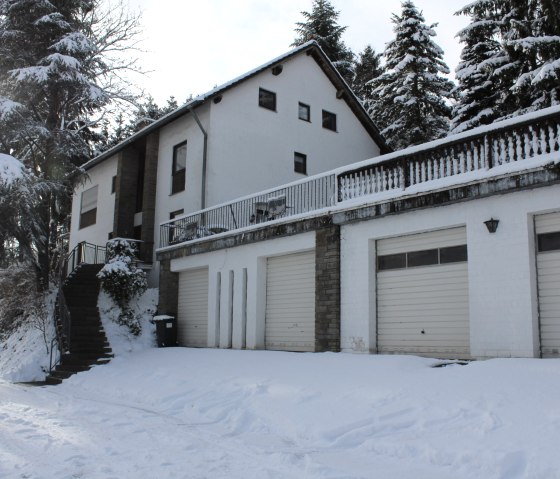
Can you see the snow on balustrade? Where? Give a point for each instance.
(498, 149)
(480, 149)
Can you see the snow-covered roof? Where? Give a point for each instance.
(312, 48)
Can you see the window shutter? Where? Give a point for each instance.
(89, 200)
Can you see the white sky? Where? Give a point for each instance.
(193, 45)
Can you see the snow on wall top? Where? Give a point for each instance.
(11, 169)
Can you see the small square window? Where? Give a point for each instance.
(300, 163)
(329, 120)
(179, 167)
(267, 99)
(114, 184)
(304, 112)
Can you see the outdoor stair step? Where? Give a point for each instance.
(52, 381)
(72, 368)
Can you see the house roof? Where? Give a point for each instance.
(312, 49)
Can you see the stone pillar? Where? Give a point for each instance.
(125, 193)
(327, 289)
(149, 197)
(168, 289)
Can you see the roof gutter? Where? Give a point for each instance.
(204, 158)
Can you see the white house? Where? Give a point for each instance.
(448, 249)
(286, 120)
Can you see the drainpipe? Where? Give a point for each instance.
(204, 158)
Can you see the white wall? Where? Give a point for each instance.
(228, 265)
(252, 148)
(502, 273)
(98, 233)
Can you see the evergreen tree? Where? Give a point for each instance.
(56, 74)
(367, 67)
(321, 25)
(410, 97)
(477, 92)
(531, 38)
(516, 66)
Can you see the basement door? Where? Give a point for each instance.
(290, 302)
(547, 228)
(422, 294)
(192, 318)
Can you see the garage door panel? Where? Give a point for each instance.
(548, 274)
(290, 302)
(192, 318)
(433, 299)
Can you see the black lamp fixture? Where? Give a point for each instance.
(492, 225)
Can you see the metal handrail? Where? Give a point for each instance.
(84, 253)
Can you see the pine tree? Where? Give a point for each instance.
(321, 25)
(477, 91)
(367, 67)
(56, 75)
(410, 97)
(531, 38)
(518, 62)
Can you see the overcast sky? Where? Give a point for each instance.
(193, 45)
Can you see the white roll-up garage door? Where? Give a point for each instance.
(192, 320)
(290, 302)
(547, 228)
(422, 294)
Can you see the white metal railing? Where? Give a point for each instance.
(481, 149)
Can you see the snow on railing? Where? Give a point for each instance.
(479, 150)
(484, 148)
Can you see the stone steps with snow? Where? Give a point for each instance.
(88, 344)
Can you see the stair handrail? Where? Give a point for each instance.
(84, 253)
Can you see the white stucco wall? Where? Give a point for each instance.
(252, 148)
(98, 233)
(228, 266)
(501, 266)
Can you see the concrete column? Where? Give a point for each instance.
(149, 197)
(125, 193)
(168, 289)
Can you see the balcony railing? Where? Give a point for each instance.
(482, 151)
(294, 199)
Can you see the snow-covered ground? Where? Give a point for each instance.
(203, 413)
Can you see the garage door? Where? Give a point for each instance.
(192, 320)
(547, 228)
(290, 302)
(422, 294)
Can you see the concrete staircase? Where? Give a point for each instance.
(88, 345)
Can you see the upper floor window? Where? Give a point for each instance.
(179, 167)
(267, 99)
(304, 112)
(329, 120)
(300, 163)
(88, 208)
(114, 184)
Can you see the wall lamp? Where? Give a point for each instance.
(492, 225)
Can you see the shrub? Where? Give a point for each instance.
(123, 281)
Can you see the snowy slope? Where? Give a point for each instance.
(188, 413)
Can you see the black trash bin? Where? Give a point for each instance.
(166, 331)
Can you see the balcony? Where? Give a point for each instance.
(526, 142)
